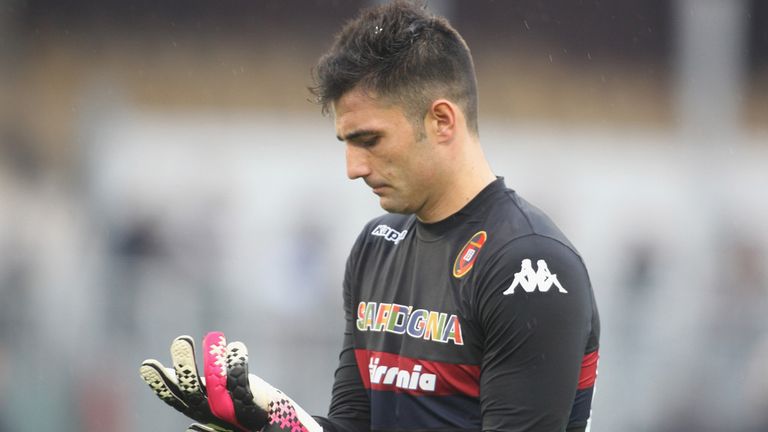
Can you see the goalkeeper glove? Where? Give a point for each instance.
(228, 398)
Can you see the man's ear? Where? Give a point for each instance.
(442, 118)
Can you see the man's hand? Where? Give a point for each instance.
(229, 398)
(181, 386)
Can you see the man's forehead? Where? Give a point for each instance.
(358, 109)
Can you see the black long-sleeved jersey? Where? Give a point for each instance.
(483, 321)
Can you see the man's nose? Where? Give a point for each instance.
(357, 162)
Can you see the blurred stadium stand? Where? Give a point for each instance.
(163, 171)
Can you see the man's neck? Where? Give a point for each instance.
(459, 189)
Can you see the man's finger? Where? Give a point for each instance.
(215, 370)
(162, 383)
(185, 365)
(247, 412)
(184, 362)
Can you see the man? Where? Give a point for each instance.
(448, 324)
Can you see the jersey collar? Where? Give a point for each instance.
(473, 210)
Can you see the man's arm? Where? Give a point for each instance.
(350, 406)
(534, 304)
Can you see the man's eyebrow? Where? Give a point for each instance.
(352, 136)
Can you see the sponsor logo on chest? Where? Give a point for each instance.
(400, 377)
(405, 320)
(393, 372)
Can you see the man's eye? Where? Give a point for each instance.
(369, 142)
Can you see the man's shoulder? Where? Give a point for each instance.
(526, 247)
(514, 218)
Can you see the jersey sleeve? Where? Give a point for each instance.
(534, 306)
(350, 408)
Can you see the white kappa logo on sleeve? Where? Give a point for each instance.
(530, 279)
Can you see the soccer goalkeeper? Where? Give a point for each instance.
(450, 325)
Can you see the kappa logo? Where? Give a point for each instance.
(530, 279)
(389, 233)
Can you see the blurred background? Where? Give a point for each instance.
(163, 172)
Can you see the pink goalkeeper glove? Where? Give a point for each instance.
(229, 398)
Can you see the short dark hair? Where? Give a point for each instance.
(403, 54)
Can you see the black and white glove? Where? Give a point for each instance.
(228, 398)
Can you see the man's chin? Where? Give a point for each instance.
(393, 207)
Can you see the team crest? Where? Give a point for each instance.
(466, 258)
